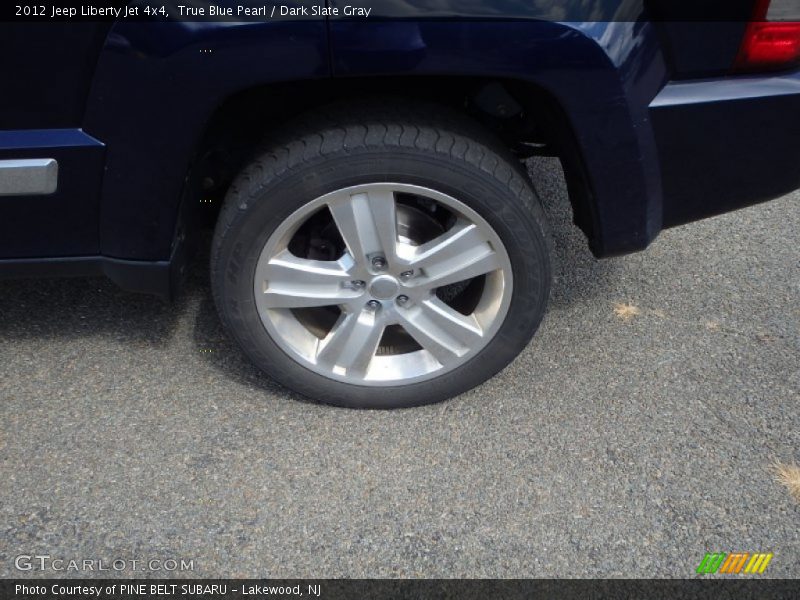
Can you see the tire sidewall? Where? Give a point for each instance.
(267, 206)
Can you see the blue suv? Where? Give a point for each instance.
(377, 241)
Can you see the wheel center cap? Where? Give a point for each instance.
(384, 287)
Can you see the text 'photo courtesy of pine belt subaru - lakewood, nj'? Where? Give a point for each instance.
(377, 241)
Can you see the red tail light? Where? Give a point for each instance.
(772, 38)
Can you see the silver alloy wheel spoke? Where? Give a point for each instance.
(367, 222)
(472, 263)
(352, 343)
(443, 331)
(462, 237)
(460, 254)
(292, 282)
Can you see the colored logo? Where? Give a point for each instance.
(735, 563)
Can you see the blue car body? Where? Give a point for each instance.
(652, 127)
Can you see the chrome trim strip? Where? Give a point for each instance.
(727, 90)
(28, 177)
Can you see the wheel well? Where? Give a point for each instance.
(528, 119)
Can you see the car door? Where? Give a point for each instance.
(50, 170)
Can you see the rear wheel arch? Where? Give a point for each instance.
(238, 125)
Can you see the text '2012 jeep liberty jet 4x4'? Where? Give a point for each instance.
(377, 241)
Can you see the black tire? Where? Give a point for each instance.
(340, 147)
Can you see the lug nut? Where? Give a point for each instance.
(402, 300)
(373, 305)
(406, 275)
(379, 262)
(358, 285)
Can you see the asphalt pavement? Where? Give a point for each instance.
(635, 433)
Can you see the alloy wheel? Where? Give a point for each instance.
(383, 284)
